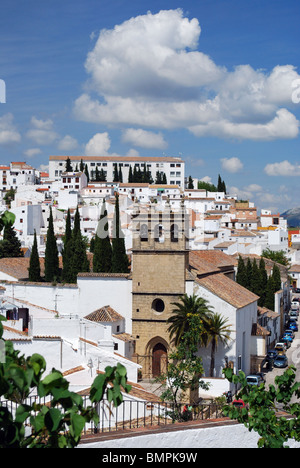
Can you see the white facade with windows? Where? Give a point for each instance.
(172, 167)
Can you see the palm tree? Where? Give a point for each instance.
(184, 309)
(218, 332)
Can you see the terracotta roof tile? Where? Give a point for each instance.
(228, 290)
(104, 314)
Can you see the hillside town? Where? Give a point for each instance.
(179, 240)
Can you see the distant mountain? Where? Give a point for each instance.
(292, 216)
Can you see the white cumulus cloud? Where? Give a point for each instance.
(144, 138)
(283, 168)
(42, 131)
(98, 145)
(150, 71)
(8, 132)
(232, 164)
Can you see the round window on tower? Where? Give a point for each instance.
(158, 305)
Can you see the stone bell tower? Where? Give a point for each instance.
(159, 265)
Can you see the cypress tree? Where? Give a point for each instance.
(116, 173)
(34, 269)
(249, 274)
(102, 260)
(76, 227)
(51, 253)
(81, 166)
(219, 186)
(276, 277)
(92, 245)
(68, 165)
(190, 183)
(264, 281)
(86, 171)
(11, 246)
(120, 174)
(79, 261)
(119, 257)
(102, 176)
(68, 250)
(256, 279)
(241, 276)
(130, 175)
(77, 251)
(270, 290)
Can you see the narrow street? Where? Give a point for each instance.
(293, 355)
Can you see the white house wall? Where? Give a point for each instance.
(95, 292)
(241, 321)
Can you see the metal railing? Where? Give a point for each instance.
(133, 414)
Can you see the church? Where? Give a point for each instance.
(141, 301)
(163, 269)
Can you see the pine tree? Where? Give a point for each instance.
(51, 253)
(276, 277)
(34, 269)
(119, 257)
(102, 260)
(11, 246)
(241, 276)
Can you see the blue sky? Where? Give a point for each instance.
(216, 82)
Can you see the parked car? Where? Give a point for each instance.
(296, 299)
(285, 341)
(272, 354)
(281, 361)
(288, 338)
(295, 305)
(294, 314)
(292, 325)
(240, 404)
(280, 348)
(255, 379)
(290, 332)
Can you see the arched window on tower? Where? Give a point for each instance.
(144, 232)
(159, 233)
(174, 233)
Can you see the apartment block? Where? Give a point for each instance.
(172, 167)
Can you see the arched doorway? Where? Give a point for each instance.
(159, 359)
